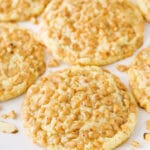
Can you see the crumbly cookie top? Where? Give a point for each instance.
(21, 60)
(12, 10)
(79, 107)
(93, 32)
(144, 5)
(139, 76)
(142, 58)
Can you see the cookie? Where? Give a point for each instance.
(139, 78)
(97, 32)
(144, 5)
(19, 10)
(79, 108)
(21, 60)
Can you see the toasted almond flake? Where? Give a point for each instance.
(146, 137)
(148, 125)
(7, 127)
(52, 62)
(122, 68)
(135, 144)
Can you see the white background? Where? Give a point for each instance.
(20, 141)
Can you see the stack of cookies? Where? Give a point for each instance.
(82, 107)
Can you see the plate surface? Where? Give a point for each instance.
(20, 141)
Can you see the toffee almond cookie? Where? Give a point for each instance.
(79, 108)
(139, 78)
(21, 60)
(144, 5)
(18, 10)
(92, 32)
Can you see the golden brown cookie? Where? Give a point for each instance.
(144, 5)
(18, 10)
(21, 60)
(79, 108)
(97, 32)
(139, 78)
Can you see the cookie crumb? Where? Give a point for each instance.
(147, 137)
(148, 125)
(52, 62)
(34, 20)
(8, 128)
(135, 144)
(122, 68)
(11, 115)
(4, 116)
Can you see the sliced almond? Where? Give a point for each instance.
(146, 137)
(122, 68)
(135, 144)
(7, 127)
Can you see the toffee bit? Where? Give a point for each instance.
(135, 144)
(147, 137)
(122, 68)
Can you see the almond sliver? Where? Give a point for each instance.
(7, 127)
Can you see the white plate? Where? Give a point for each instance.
(20, 141)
